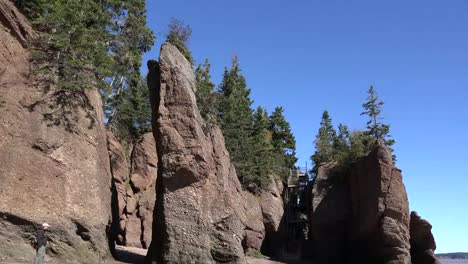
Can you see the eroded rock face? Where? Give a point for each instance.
(134, 177)
(380, 213)
(254, 226)
(363, 217)
(54, 165)
(422, 241)
(199, 215)
(330, 217)
(271, 203)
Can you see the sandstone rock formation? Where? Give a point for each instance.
(254, 229)
(134, 190)
(330, 217)
(374, 226)
(54, 165)
(271, 203)
(199, 215)
(380, 212)
(422, 241)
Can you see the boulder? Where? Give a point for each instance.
(199, 214)
(422, 241)
(379, 228)
(54, 165)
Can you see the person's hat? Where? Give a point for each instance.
(45, 225)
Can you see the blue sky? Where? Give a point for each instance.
(308, 56)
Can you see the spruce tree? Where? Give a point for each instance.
(95, 45)
(341, 142)
(206, 97)
(375, 128)
(73, 47)
(236, 119)
(263, 152)
(283, 140)
(127, 104)
(324, 150)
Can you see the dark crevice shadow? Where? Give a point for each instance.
(125, 256)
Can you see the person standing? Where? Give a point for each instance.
(41, 243)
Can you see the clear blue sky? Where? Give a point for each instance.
(313, 55)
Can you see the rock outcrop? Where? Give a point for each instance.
(254, 226)
(54, 165)
(271, 203)
(422, 241)
(199, 214)
(330, 216)
(374, 226)
(380, 212)
(134, 174)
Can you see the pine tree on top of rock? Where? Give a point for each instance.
(375, 128)
(324, 140)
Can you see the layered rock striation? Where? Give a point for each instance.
(380, 212)
(134, 174)
(364, 217)
(54, 165)
(199, 214)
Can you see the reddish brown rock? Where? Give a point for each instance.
(254, 227)
(135, 189)
(271, 203)
(54, 165)
(380, 215)
(422, 241)
(329, 218)
(199, 210)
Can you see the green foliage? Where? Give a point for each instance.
(132, 112)
(324, 149)
(87, 44)
(236, 119)
(283, 141)
(260, 146)
(349, 148)
(73, 48)
(127, 105)
(263, 151)
(207, 99)
(345, 148)
(375, 128)
(179, 35)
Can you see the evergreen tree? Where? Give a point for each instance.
(341, 142)
(127, 104)
(283, 140)
(375, 128)
(263, 156)
(73, 48)
(206, 97)
(96, 45)
(324, 141)
(236, 119)
(179, 35)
